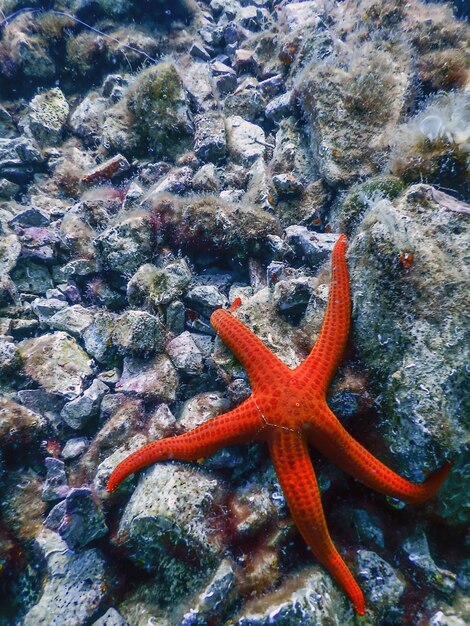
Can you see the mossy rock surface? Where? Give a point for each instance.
(160, 106)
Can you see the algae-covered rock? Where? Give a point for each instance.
(74, 586)
(154, 379)
(159, 103)
(151, 286)
(309, 598)
(351, 105)
(48, 112)
(212, 224)
(409, 277)
(57, 363)
(166, 524)
(127, 244)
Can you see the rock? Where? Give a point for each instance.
(287, 185)
(74, 448)
(314, 248)
(44, 403)
(158, 101)
(185, 354)
(347, 125)
(127, 245)
(201, 408)
(30, 277)
(112, 617)
(446, 619)
(18, 421)
(98, 338)
(279, 107)
(74, 588)
(8, 189)
(206, 298)
(48, 112)
(79, 411)
(87, 119)
(154, 379)
(225, 78)
(198, 51)
(55, 485)
(29, 217)
(212, 603)
(416, 351)
(206, 179)
(161, 422)
(210, 143)
(416, 549)
(73, 320)
(10, 358)
(169, 509)
(291, 296)
(215, 225)
(153, 286)
(246, 141)
(109, 169)
(382, 587)
(83, 520)
(309, 597)
(45, 308)
(57, 363)
(138, 333)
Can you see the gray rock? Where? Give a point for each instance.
(154, 379)
(79, 411)
(212, 603)
(74, 448)
(83, 521)
(292, 295)
(74, 588)
(112, 617)
(19, 421)
(287, 185)
(309, 597)
(55, 516)
(280, 107)
(246, 141)
(48, 112)
(247, 102)
(161, 422)
(98, 337)
(225, 78)
(175, 317)
(210, 142)
(138, 333)
(153, 286)
(381, 585)
(206, 179)
(30, 217)
(178, 180)
(73, 320)
(201, 408)
(447, 619)
(197, 50)
(127, 245)
(87, 119)
(403, 260)
(169, 510)
(45, 308)
(8, 189)
(30, 277)
(57, 363)
(185, 354)
(10, 358)
(416, 549)
(55, 485)
(314, 248)
(206, 298)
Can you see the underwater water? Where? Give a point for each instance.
(163, 160)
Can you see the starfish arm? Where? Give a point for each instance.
(255, 357)
(241, 425)
(334, 441)
(297, 478)
(319, 367)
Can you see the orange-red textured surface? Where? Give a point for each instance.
(288, 409)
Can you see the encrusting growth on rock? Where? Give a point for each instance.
(288, 410)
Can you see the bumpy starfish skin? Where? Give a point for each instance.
(288, 410)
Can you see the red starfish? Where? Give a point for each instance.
(288, 410)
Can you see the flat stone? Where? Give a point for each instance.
(154, 379)
(79, 411)
(314, 248)
(83, 521)
(246, 141)
(57, 363)
(73, 320)
(185, 354)
(55, 485)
